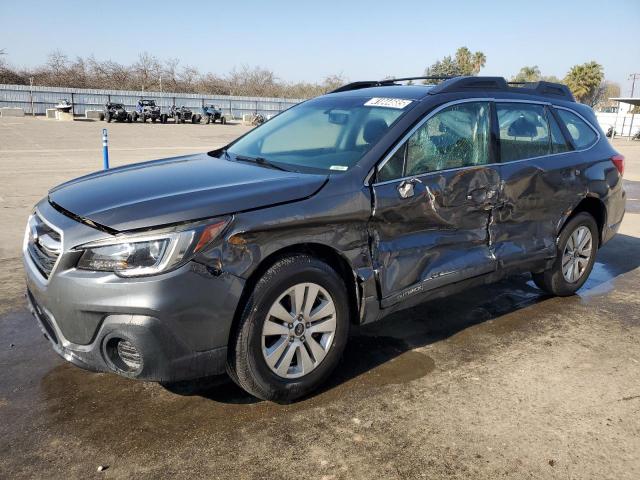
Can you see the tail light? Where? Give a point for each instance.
(618, 161)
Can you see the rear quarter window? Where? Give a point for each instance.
(582, 134)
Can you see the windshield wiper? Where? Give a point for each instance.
(260, 161)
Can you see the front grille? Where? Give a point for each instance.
(43, 244)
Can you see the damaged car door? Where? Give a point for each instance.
(433, 200)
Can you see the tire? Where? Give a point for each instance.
(108, 117)
(553, 280)
(207, 120)
(143, 118)
(153, 119)
(163, 118)
(102, 117)
(246, 362)
(193, 119)
(129, 119)
(134, 117)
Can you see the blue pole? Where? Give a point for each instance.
(105, 150)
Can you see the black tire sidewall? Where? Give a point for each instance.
(270, 385)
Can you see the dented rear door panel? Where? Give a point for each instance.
(535, 195)
(438, 236)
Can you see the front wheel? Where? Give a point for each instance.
(292, 331)
(576, 253)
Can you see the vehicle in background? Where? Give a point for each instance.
(115, 111)
(211, 113)
(180, 115)
(257, 119)
(146, 109)
(256, 258)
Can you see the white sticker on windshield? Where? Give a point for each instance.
(341, 168)
(387, 102)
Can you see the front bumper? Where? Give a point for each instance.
(178, 321)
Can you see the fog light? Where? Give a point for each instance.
(123, 355)
(129, 355)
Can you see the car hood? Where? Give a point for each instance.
(179, 189)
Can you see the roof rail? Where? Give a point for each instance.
(541, 88)
(383, 83)
(362, 84)
(465, 84)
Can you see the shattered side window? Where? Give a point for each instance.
(458, 136)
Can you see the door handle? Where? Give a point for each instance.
(405, 188)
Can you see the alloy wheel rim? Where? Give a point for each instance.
(299, 330)
(576, 255)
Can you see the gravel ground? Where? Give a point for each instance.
(500, 381)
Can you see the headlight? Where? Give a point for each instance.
(149, 253)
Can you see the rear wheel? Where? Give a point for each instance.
(292, 331)
(576, 253)
(108, 118)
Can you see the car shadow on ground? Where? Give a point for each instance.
(383, 351)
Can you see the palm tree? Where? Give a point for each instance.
(469, 63)
(584, 80)
(528, 74)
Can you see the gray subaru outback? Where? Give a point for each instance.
(256, 258)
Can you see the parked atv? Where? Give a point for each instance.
(115, 111)
(146, 109)
(181, 115)
(212, 113)
(257, 119)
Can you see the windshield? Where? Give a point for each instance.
(327, 133)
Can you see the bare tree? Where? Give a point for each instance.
(170, 74)
(146, 71)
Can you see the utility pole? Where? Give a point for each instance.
(633, 77)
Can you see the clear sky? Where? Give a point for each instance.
(301, 40)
